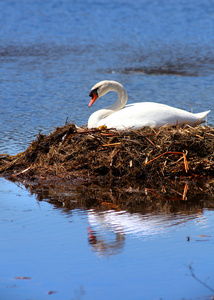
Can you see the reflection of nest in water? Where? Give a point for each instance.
(109, 156)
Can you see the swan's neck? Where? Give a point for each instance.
(101, 114)
(122, 97)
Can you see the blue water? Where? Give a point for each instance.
(137, 256)
(51, 54)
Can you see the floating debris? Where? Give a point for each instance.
(52, 292)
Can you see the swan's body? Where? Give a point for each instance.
(136, 115)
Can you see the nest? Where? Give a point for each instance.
(107, 156)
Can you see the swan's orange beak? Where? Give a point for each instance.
(93, 99)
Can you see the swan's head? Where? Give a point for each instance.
(98, 90)
(103, 87)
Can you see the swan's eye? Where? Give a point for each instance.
(95, 91)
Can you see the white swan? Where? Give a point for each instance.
(136, 115)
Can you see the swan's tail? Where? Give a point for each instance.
(201, 116)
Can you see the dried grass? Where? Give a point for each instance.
(109, 156)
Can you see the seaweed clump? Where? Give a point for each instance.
(105, 155)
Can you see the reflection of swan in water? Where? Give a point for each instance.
(106, 245)
(108, 229)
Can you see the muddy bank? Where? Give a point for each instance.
(109, 157)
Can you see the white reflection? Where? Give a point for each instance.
(107, 230)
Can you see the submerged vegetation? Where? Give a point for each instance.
(107, 156)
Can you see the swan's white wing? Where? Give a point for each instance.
(150, 114)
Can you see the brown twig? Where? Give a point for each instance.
(185, 191)
(109, 145)
(186, 166)
(150, 142)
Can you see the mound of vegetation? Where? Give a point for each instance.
(109, 156)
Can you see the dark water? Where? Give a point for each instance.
(51, 54)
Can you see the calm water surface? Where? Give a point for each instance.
(51, 54)
(90, 254)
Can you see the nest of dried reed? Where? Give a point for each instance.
(109, 156)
